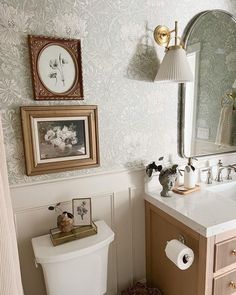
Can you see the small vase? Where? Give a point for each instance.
(65, 223)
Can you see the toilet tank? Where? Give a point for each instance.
(78, 267)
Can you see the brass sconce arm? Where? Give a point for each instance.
(174, 66)
(162, 36)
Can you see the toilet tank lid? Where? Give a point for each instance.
(45, 252)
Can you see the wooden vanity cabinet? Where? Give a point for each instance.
(213, 271)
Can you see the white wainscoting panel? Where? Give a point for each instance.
(117, 198)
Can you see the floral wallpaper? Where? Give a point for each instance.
(137, 118)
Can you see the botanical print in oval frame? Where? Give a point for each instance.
(56, 68)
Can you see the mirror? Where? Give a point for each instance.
(207, 106)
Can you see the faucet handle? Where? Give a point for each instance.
(233, 167)
(209, 175)
(229, 170)
(220, 164)
(219, 177)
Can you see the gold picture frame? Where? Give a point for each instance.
(56, 68)
(82, 211)
(60, 138)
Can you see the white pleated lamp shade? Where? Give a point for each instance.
(174, 67)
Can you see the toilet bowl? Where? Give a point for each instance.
(77, 267)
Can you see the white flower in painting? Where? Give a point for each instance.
(62, 145)
(74, 141)
(13, 23)
(49, 135)
(59, 133)
(56, 141)
(57, 129)
(9, 91)
(65, 137)
(69, 25)
(65, 129)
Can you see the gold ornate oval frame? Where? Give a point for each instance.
(37, 44)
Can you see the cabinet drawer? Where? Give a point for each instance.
(226, 284)
(225, 253)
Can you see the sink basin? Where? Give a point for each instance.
(227, 190)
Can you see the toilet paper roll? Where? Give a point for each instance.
(181, 255)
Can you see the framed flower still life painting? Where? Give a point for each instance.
(82, 211)
(56, 68)
(59, 138)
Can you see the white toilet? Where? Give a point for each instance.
(78, 267)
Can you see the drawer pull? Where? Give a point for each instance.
(232, 285)
(234, 252)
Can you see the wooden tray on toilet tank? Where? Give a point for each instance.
(58, 237)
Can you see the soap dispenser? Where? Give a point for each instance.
(190, 175)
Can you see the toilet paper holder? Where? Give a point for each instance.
(182, 240)
(179, 253)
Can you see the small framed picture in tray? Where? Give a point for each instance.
(82, 211)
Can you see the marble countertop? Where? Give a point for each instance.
(207, 212)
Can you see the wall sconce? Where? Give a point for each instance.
(174, 67)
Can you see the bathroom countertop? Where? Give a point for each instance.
(206, 212)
